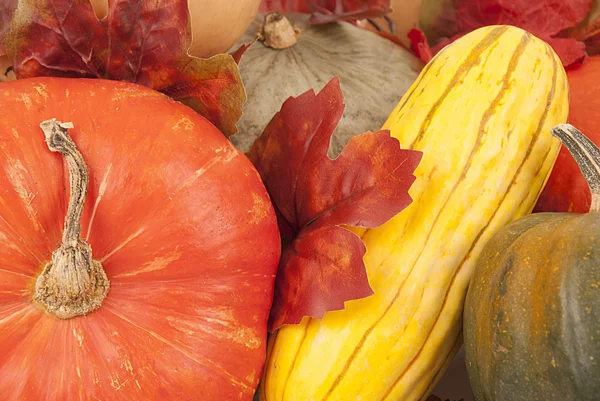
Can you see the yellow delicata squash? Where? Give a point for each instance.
(481, 113)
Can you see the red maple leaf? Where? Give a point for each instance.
(546, 19)
(588, 30)
(140, 41)
(238, 53)
(315, 197)
(323, 11)
(419, 46)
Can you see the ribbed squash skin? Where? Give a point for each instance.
(532, 313)
(481, 112)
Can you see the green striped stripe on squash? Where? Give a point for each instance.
(481, 112)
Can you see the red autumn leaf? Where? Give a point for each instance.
(588, 30)
(419, 46)
(7, 9)
(239, 52)
(324, 11)
(570, 51)
(315, 197)
(140, 41)
(546, 19)
(592, 45)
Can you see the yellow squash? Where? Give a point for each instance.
(481, 112)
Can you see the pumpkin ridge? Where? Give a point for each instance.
(17, 273)
(99, 196)
(122, 245)
(210, 363)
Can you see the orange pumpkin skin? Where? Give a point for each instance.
(182, 225)
(566, 189)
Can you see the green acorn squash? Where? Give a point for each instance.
(532, 312)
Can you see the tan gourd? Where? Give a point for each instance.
(374, 72)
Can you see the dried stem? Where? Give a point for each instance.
(72, 284)
(277, 31)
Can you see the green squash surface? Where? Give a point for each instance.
(532, 313)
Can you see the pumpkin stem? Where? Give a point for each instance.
(72, 283)
(277, 31)
(587, 156)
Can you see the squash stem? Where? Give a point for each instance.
(277, 31)
(58, 140)
(72, 283)
(587, 156)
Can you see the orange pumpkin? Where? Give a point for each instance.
(182, 235)
(566, 189)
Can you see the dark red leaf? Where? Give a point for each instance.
(140, 41)
(419, 45)
(592, 45)
(7, 9)
(542, 17)
(239, 52)
(324, 11)
(570, 51)
(318, 273)
(546, 19)
(588, 30)
(315, 196)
